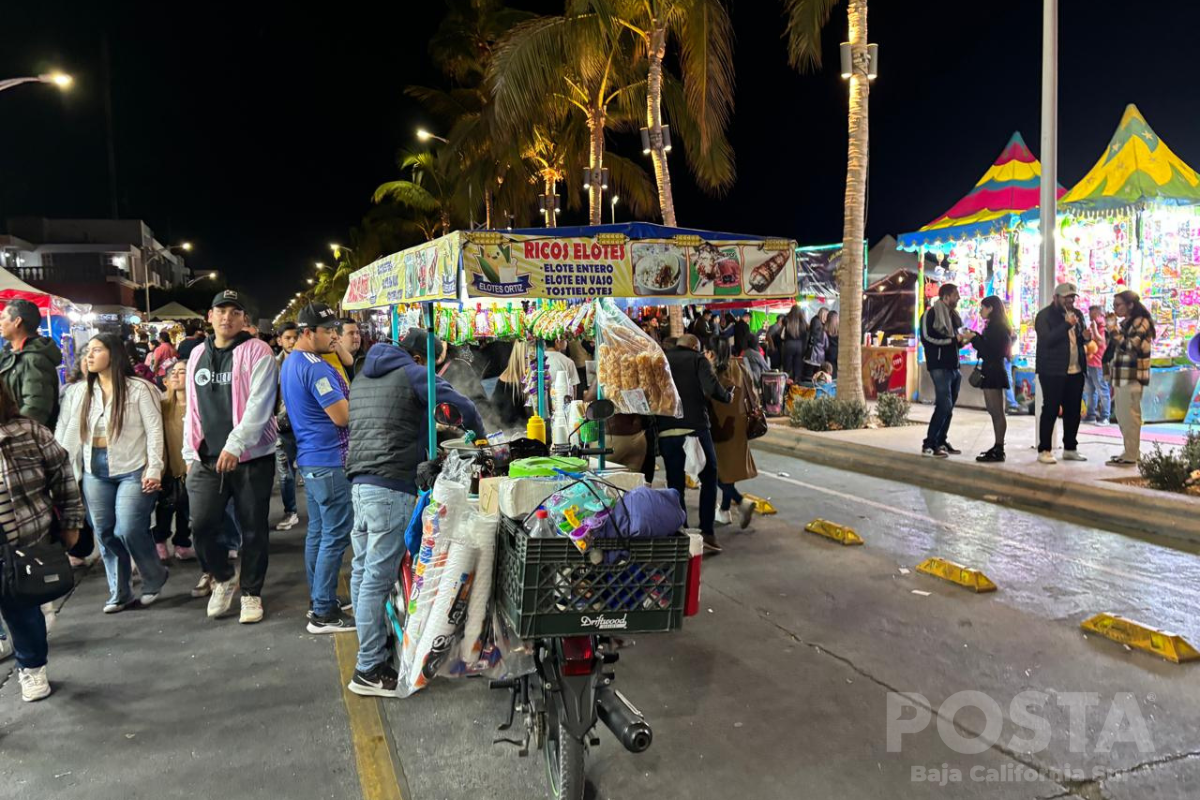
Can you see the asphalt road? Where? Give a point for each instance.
(779, 688)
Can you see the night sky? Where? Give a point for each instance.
(259, 133)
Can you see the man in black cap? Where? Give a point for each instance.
(229, 434)
(319, 411)
(389, 435)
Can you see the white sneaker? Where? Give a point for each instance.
(204, 587)
(1046, 457)
(252, 610)
(222, 597)
(1073, 455)
(722, 517)
(288, 522)
(34, 684)
(50, 614)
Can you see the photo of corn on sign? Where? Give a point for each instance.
(500, 265)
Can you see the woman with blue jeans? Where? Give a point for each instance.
(120, 428)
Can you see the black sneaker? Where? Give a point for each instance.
(379, 682)
(949, 448)
(343, 603)
(336, 622)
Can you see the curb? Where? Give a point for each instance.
(1130, 510)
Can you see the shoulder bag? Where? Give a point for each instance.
(756, 417)
(34, 574)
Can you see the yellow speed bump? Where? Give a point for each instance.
(1170, 646)
(762, 505)
(831, 530)
(973, 579)
(690, 482)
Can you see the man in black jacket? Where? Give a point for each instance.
(389, 432)
(941, 339)
(696, 382)
(1061, 369)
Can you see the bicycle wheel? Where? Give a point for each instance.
(564, 759)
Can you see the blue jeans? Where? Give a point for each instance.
(120, 513)
(330, 517)
(285, 468)
(1097, 394)
(380, 517)
(27, 632)
(946, 383)
(1010, 394)
(730, 496)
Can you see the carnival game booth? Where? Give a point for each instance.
(575, 264)
(889, 361)
(1133, 222)
(982, 246)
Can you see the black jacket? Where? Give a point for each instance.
(696, 382)
(388, 427)
(940, 338)
(1054, 341)
(994, 344)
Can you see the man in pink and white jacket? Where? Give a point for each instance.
(229, 435)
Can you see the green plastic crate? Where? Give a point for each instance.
(547, 588)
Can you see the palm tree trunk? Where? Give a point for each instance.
(487, 208)
(851, 281)
(551, 220)
(595, 162)
(662, 174)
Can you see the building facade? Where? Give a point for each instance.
(102, 262)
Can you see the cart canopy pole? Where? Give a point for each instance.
(431, 372)
(540, 350)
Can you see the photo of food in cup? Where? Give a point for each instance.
(716, 270)
(657, 269)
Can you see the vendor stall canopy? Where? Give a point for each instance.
(1008, 189)
(173, 311)
(1137, 167)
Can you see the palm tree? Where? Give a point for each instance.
(434, 193)
(579, 61)
(703, 35)
(805, 19)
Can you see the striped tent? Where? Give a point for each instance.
(1006, 190)
(1136, 167)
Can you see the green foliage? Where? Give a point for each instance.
(1190, 452)
(1164, 471)
(892, 410)
(829, 414)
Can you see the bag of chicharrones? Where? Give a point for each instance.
(631, 367)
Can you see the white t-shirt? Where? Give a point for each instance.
(557, 362)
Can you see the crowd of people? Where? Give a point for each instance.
(1101, 363)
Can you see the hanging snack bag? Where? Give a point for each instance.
(631, 367)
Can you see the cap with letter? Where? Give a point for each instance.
(317, 315)
(228, 297)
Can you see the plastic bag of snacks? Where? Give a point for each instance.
(632, 368)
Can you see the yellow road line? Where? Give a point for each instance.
(377, 772)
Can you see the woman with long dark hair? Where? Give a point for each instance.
(832, 333)
(1132, 340)
(814, 359)
(37, 483)
(120, 428)
(729, 426)
(173, 499)
(994, 344)
(794, 339)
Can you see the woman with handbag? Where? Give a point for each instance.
(173, 499)
(36, 485)
(731, 434)
(818, 340)
(120, 427)
(994, 344)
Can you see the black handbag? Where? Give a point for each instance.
(34, 574)
(976, 377)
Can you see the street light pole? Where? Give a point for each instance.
(59, 79)
(1048, 201)
(157, 254)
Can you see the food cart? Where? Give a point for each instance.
(982, 246)
(1133, 222)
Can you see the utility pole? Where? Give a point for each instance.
(1048, 203)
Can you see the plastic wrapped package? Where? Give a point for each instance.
(631, 367)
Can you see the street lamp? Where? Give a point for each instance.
(59, 79)
(425, 136)
(185, 246)
(310, 281)
(615, 198)
(212, 276)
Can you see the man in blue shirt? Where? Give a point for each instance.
(318, 405)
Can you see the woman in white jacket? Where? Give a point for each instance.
(117, 421)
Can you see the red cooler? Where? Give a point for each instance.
(691, 604)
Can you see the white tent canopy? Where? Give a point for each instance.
(9, 281)
(174, 311)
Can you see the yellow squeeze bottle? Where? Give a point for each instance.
(536, 429)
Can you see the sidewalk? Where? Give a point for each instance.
(1089, 493)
